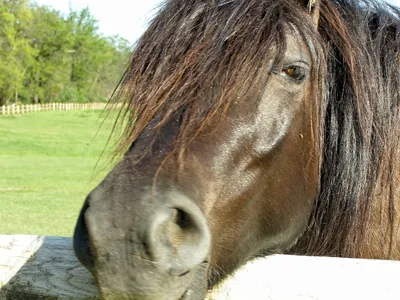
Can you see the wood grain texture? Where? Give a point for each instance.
(35, 267)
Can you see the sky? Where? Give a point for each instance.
(127, 18)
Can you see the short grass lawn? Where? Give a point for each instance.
(48, 166)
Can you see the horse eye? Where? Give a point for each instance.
(296, 73)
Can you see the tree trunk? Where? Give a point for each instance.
(16, 96)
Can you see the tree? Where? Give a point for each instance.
(15, 51)
(47, 56)
(51, 37)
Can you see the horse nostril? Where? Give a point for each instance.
(182, 220)
(182, 228)
(178, 238)
(81, 240)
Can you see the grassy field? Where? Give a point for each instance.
(47, 167)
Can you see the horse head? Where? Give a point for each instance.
(221, 161)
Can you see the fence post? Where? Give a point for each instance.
(16, 109)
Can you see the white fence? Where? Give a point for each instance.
(19, 109)
(35, 267)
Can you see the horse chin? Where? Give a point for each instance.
(198, 287)
(194, 285)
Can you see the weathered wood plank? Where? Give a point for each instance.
(35, 267)
(285, 277)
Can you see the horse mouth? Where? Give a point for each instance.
(193, 292)
(194, 284)
(188, 295)
(184, 296)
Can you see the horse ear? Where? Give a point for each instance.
(314, 8)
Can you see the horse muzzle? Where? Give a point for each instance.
(154, 248)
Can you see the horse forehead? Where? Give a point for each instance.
(297, 47)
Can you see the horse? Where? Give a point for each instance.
(254, 127)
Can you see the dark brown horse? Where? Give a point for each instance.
(254, 127)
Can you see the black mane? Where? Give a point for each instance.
(360, 133)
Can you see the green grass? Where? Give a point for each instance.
(47, 167)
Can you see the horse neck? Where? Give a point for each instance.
(382, 230)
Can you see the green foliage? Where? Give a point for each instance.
(15, 50)
(47, 57)
(72, 94)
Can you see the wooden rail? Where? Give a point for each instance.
(36, 267)
(20, 109)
